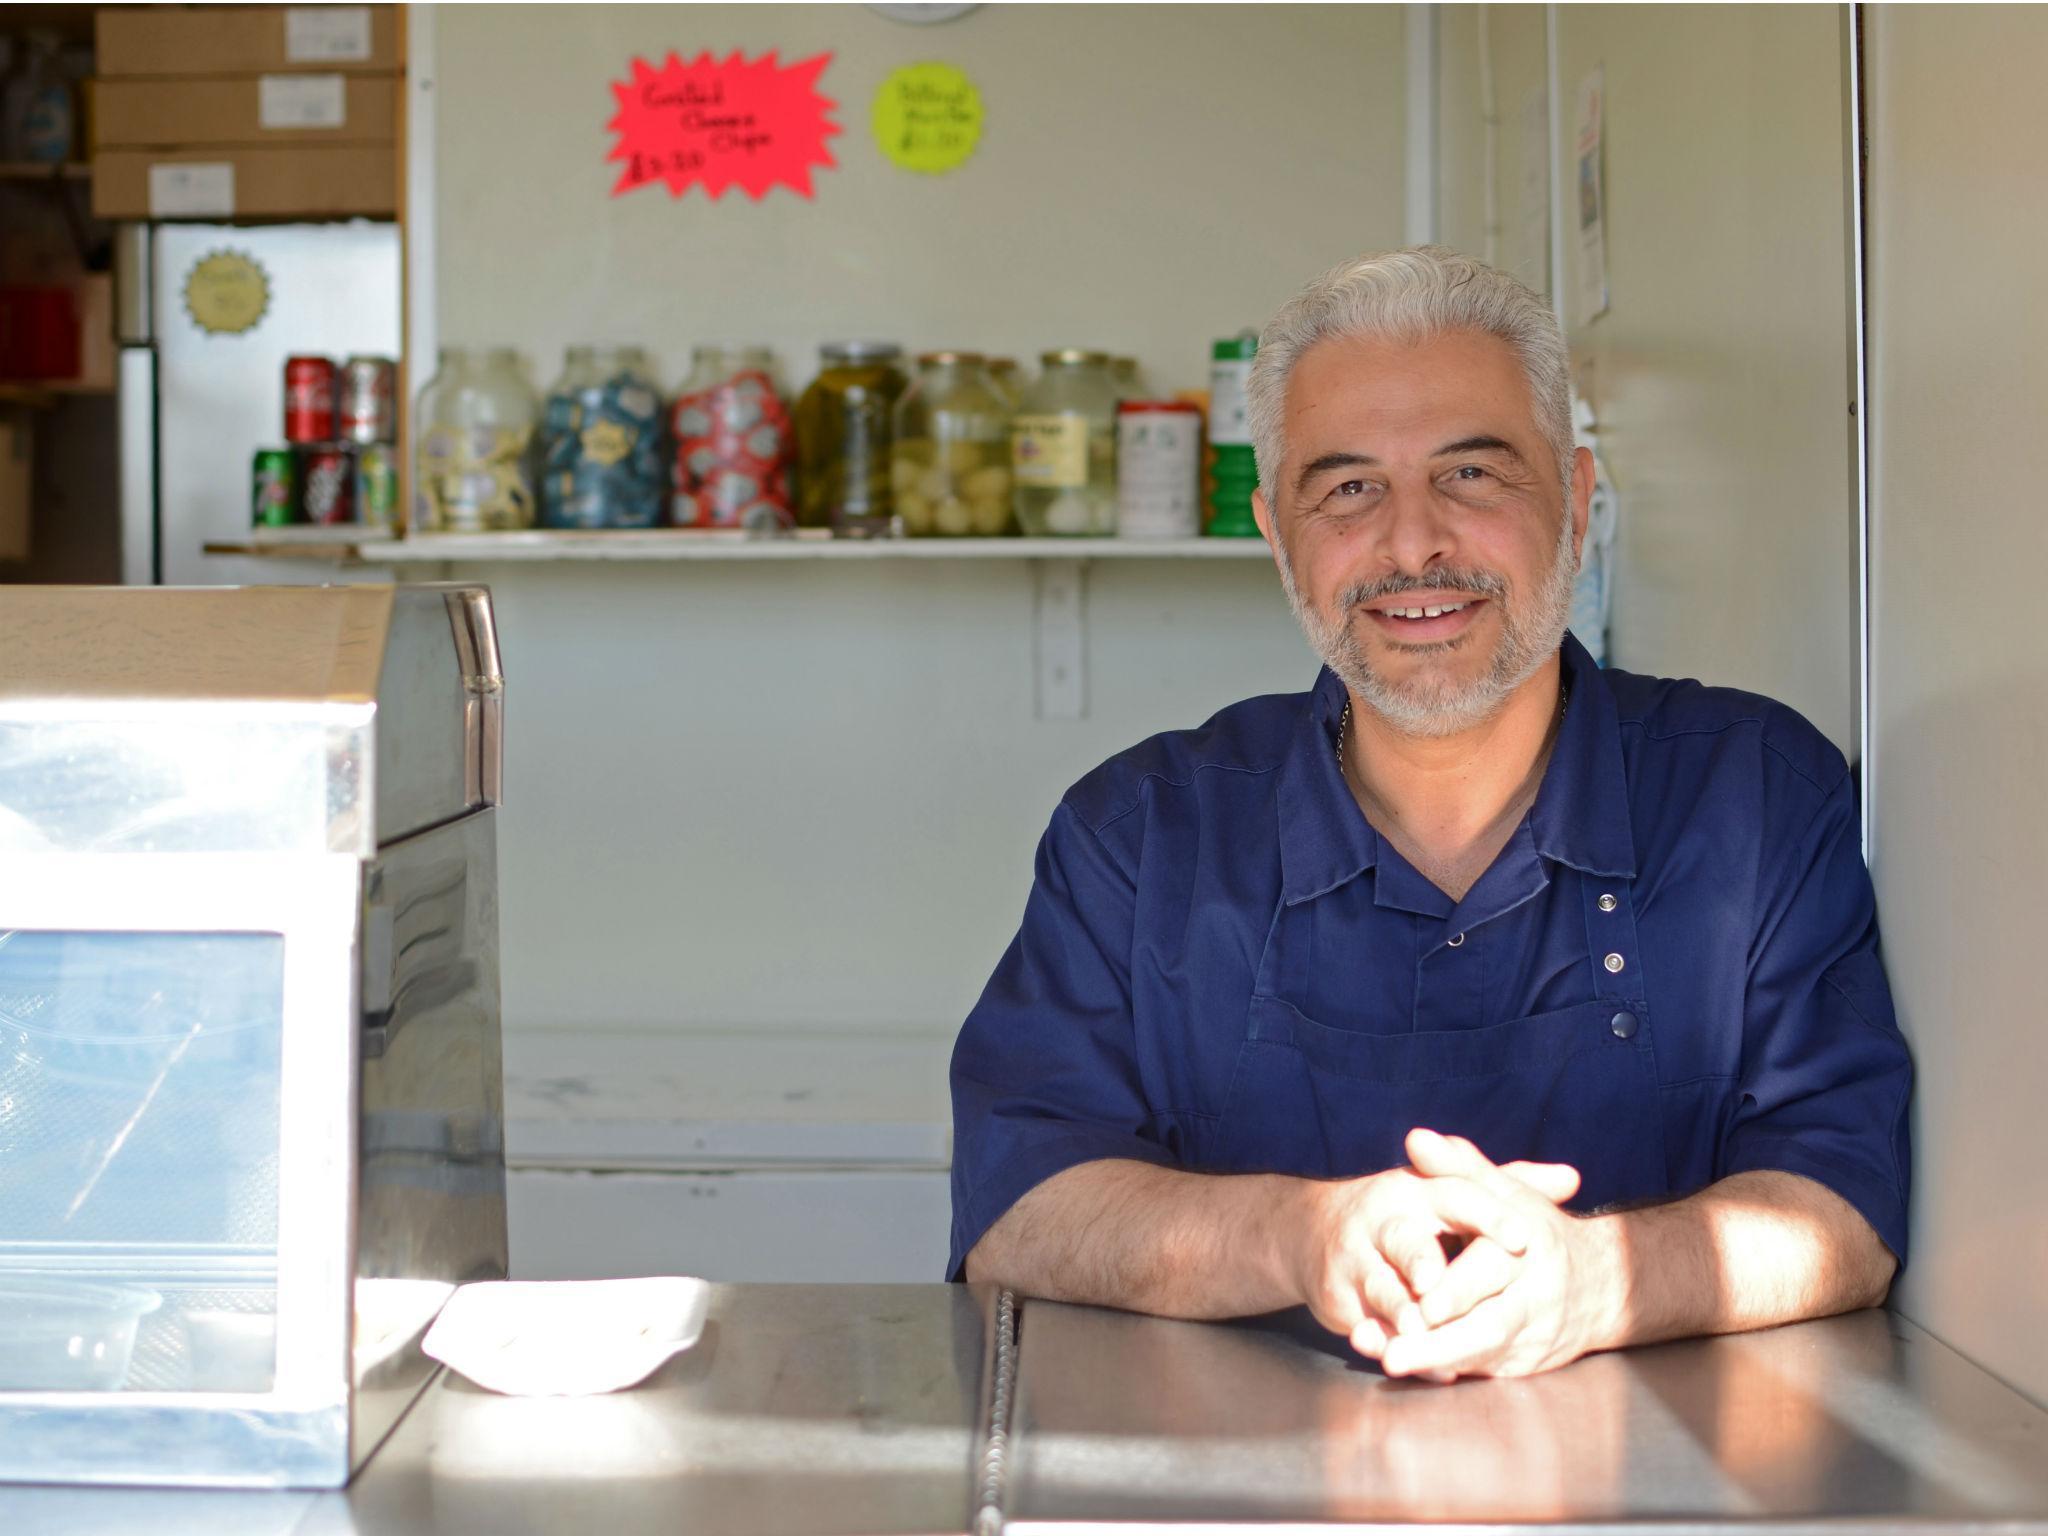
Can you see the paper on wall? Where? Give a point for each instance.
(1589, 197)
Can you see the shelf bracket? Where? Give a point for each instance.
(1059, 638)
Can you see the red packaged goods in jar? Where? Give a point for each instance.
(308, 400)
(327, 476)
(733, 443)
(368, 408)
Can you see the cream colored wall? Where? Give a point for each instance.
(807, 796)
(1149, 177)
(1719, 374)
(1510, 37)
(1960, 685)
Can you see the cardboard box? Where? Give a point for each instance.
(295, 181)
(176, 40)
(247, 109)
(16, 462)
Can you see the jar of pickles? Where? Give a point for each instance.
(1063, 447)
(603, 464)
(843, 428)
(733, 445)
(950, 466)
(473, 469)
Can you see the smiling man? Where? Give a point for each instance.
(1495, 1007)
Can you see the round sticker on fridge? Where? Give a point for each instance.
(227, 293)
(927, 117)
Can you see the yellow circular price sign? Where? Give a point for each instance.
(927, 117)
(226, 293)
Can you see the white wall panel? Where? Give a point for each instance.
(1958, 222)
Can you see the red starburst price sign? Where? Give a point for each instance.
(719, 123)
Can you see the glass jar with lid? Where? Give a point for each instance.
(733, 443)
(1063, 447)
(843, 426)
(603, 462)
(1009, 382)
(950, 463)
(473, 468)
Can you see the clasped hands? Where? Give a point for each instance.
(1530, 1289)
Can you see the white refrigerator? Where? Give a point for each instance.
(207, 315)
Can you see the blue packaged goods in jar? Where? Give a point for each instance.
(604, 463)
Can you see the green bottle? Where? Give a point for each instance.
(1233, 471)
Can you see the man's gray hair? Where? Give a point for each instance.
(1408, 296)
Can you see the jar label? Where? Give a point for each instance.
(1229, 416)
(1050, 450)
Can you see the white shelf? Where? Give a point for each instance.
(674, 544)
(670, 544)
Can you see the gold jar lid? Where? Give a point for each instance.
(947, 359)
(1069, 357)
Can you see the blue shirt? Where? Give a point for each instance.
(1669, 975)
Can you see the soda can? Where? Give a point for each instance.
(369, 389)
(308, 400)
(327, 473)
(377, 486)
(274, 497)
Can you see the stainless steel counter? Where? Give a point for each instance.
(803, 1410)
(1864, 1422)
(859, 1410)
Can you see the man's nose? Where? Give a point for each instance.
(1414, 533)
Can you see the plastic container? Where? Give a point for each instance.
(950, 469)
(1063, 447)
(1158, 469)
(1233, 467)
(61, 1335)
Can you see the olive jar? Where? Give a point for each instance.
(950, 466)
(1063, 447)
(844, 423)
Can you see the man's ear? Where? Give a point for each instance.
(1582, 500)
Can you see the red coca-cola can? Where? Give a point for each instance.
(308, 400)
(369, 413)
(327, 484)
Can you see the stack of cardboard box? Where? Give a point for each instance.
(247, 112)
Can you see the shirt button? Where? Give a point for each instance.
(1624, 1025)
(1614, 963)
(1607, 903)
(1454, 943)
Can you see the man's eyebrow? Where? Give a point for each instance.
(1324, 462)
(1480, 444)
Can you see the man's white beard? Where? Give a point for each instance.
(1431, 706)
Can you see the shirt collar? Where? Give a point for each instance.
(1580, 818)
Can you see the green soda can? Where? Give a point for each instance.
(274, 489)
(376, 486)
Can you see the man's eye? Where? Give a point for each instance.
(1350, 488)
(1469, 472)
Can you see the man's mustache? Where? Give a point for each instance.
(1443, 579)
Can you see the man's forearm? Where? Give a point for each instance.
(1128, 1234)
(1752, 1251)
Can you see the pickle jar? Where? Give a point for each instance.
(473, 470)
(732, 443)
(604, 463)
(843, 426)
(1063, 447)
(950, 464)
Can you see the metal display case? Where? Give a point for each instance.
(250, 1089)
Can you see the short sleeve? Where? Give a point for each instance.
(1044, 1073)
(1826, 1076)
